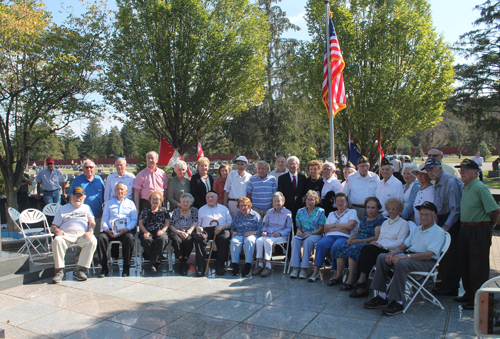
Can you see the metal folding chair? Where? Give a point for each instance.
(14, 215)
(50, 210)
(33, 241)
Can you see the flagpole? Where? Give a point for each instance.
(329, 76)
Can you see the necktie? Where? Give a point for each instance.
(294, 183)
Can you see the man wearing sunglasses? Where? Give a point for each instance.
(435, 152)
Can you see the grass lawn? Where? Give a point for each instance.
(491, 182)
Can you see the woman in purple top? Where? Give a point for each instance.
(277, 227)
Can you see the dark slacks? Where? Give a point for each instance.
(449, 266)
(127, 241)
(368, 258)
(154, 246)
(474, 251)
(182, 247)
(222, 242)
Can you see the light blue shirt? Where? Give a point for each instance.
(432, 239)
(262, 191)
(113, 179)
(114, 209)
(50, 181)
(278, 222)
(94, 192)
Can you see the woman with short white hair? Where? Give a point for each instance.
(410, 190)
(178, 185)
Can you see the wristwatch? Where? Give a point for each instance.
(408, 255)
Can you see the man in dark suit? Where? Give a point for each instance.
(291, 185)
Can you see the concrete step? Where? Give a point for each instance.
(36, 272)
(12, 263)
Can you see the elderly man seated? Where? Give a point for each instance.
(73, 224)
(214, 222)
(419, 252)
(119, 220)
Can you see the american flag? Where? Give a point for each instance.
(337, 77)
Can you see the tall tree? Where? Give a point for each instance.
(398, 70)
(70, 143)
(47, 72)
(180, 66)
(115, 144)
(477, 95)
(92, 145)
(129, 138)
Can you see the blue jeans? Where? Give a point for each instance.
(329, 242)
(52, 197)
(308, 244)
(248, 245)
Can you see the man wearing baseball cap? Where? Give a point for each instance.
(51, 180)
(478, 214)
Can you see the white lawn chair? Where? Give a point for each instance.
(14, 215)
(285, 246)
(419, 286)
(34, 241)
(50, 210)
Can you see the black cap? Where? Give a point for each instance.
(363, 160)
(428, 205)
(386, 162)
(431, 162)
(350, 164)
(467, 163)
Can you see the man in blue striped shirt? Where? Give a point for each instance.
(260, 189)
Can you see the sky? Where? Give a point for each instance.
(451, 18)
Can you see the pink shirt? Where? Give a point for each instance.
(148, 181)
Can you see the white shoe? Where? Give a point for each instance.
(303, 273)
(295, 273)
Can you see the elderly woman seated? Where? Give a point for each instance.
(392, 234)
(184, 222)
(339, 226)
(153, 223)
(368, 231)
(245, 229)
(309, 221)
(277, 227)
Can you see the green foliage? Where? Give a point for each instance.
(115, 144)
(418, 152)
(129, 135)
(92, 145)
(179, 66)
(70, 143)
(398, 70)
(484, 149)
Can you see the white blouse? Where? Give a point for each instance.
(426, 194)
(334, 218)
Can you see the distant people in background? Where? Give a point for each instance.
(410, 191)
(478, 159)
(150, 179)
(348, 170)
(292, 186)
(313, 181)
(260, 189)
(120, 176)
(51, 180)
(389, 186)
(23, 194)
(396, 164)
(201, 182)
(94, 189)
(361, 185)
(236, 185)
(178, 185)
(435, 152)
(331, 187)
(495, 164)
(280, 167)
(220, 182)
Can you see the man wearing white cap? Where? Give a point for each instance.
(236, 185)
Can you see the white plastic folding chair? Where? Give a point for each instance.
(51, 209)
(34, 241)
(285, 246)
(419, 286)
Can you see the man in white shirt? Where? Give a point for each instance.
(280, 167)
(73, 224)
(478, 159)
(360, 186)
(214, 221)
(236, 185)
(120, 176)
(389, 186)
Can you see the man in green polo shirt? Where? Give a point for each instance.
(478, 214)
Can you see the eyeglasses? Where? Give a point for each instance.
(426, 215)
(433, 155)
(88, 167)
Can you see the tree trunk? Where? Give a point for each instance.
(11, 202)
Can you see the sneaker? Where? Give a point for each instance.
(266, 272)
(258, 270)
(59, 276)
(303, 273)
(79, 275)
(246, 269)
(295, 273)
(393, 308)
(377, 302)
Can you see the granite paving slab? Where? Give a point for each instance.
(281, 318)
(147, 317)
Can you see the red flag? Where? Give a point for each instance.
(380, 150)
(199, 150)
(169, 155)
(337, 65)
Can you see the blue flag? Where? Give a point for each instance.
(353, 153)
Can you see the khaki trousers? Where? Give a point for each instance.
(61, 243)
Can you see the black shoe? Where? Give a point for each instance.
(236, 269)
(462, 299)
(221, 270)
(246, 269)
(393, 308)
(126, 271)
(468, 307)
(355, 294)
(445, 292)
(104, 272)
(200, 273)
(377, 302)
(183, 267)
